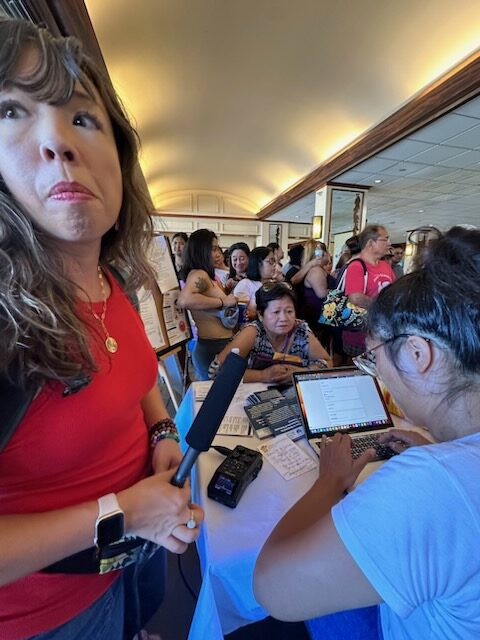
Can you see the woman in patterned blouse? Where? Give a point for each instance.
(276, 344)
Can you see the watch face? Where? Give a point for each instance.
(110, 529)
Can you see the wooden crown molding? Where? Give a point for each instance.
(447, 93)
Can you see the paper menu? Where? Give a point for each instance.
(159, 257)
(201, 389)
(149, 315)
(286, 457)
(175, 320)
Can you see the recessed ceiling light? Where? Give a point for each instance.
(420, 211)
(378, 181)
(296, 217)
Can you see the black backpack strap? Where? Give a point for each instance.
(14, 402)
(362, 262)
(365, 270)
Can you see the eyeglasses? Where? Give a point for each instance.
(367, 362)
(268, 286)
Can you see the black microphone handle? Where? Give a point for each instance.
(183, 471)
(216, 403)
(211, 413)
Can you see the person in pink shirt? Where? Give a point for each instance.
(367, 274)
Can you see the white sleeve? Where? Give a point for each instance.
(411, 530)
(244, 287)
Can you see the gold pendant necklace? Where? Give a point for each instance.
(110, 342)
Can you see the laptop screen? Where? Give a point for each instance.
(343, 399)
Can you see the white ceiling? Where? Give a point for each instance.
(431, 177)
(245, 97)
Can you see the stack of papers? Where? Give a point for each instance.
(272, 414)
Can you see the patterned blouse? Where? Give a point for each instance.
(262, 354)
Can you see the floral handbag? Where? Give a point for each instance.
(338, 311)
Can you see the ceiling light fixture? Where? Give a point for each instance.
(378, 181)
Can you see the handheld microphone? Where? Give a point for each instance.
(211, 414)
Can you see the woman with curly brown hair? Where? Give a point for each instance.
(83, 424)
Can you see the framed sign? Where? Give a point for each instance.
(275, 233)
(166, 325)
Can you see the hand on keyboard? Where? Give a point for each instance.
(371, 441)
(336, 460)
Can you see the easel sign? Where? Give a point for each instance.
(166, 325)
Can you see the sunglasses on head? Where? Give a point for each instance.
(268, 286)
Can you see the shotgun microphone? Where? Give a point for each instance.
(211, 414)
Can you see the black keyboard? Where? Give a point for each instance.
(362, 443)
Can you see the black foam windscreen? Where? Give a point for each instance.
(216, 403)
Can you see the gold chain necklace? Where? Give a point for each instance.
(110, 342)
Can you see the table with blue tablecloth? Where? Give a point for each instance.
(231, 539)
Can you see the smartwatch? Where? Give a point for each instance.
(110, 523)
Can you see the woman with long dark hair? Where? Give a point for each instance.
(261, 268)
(179, 242)
(205, 299)
(239, 253)
(87, 448)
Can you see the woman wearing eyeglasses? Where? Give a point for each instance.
(276, 344)
(260, 269)
(407, 538)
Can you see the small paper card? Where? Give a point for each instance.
(234, 426)
(201, 389)
(286, 457)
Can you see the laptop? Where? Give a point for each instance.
(344, 400)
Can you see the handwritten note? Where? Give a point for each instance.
(286, 457)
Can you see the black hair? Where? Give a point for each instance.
(439, 300)
(295, 254)
(353, 245)
(255, 259)
(276, 291)
(198, 252)
(180, 234)
(274, 246)
(240, 246)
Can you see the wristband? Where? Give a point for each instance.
(162, 430)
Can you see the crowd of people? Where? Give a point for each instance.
(88, 450)
(212, 287)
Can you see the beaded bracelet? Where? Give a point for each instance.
(162, 430)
